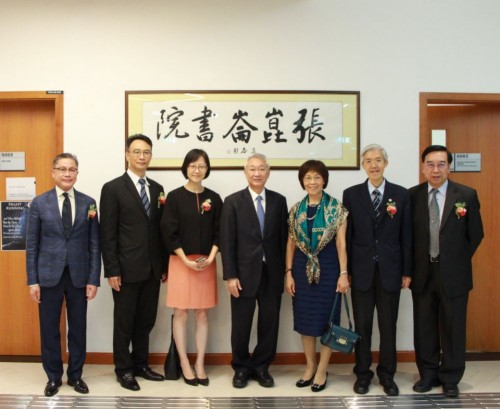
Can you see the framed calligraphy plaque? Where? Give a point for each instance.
(289, 127)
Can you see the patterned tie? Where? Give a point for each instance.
(376, 202)
(67, 219)
(434, 224)
(260, 214)
(144, 197)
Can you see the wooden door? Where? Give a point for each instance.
(472, 124)
(30, 122)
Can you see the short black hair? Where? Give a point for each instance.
(314, 166)
(64, 155)
(191, 157)
(140, 137)
(437, 148)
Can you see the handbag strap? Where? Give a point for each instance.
(337, 294)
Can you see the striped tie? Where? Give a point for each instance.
(144, 197)
(434, 221)
(376, 202)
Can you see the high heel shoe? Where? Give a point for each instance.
(203, 381)
(192, 382)
(302, 383)
(317, 387)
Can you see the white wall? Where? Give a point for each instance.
(390, 50)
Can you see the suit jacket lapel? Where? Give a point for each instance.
(366, 200)
(129, 185)
(53, 205)
(252, 211)
(449, 203)
(80, 212)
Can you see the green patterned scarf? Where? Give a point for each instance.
(330, 215)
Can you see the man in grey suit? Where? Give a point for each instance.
(253, 246)
(447, 230)
(379, 243)
(134, 259)
(63, 262)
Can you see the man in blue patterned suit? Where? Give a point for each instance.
(63, 261)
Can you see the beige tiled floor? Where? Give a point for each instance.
(29, 378)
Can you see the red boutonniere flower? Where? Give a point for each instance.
(206, 206)
(391, 208)
(161, 199)
(460, 209)
(91, 212)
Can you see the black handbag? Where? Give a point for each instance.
(336, 337)
(172, 365)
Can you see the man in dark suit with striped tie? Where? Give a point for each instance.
(134, 260)
(63, 262)
(379, 243)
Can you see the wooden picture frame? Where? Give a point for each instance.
(289, 127)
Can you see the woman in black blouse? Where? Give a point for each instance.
(190, 229)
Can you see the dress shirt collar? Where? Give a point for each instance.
(71, 192)
(254, 195)
(441, 189)
(136, 178)
(381, 188)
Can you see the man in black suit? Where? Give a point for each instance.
(134, 260)
(379, 253)
(253, 246)
(447, 230)
(63, 262)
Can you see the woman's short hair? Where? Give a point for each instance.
(191, 157)
(313, 166)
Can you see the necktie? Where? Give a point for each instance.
(376, 202)
(260, 213)
(67, 220)
(144, 197)
(434, 224)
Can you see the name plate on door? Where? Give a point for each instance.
(12, 161)
(466, 162)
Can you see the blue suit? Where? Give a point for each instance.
(63, 265)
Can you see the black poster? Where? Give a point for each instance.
(14, 219)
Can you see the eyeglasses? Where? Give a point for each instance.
(63, 171)
(369, 162)
(201, 168)
(440, 165)
(136, 153)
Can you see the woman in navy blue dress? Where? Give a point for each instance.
(316, 261)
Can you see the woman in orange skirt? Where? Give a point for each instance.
(190, 230)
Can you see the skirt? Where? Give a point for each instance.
(189, 289)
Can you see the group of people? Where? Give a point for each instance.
(380, 239)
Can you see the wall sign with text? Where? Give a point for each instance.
(289, 127)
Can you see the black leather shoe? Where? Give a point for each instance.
(316, 387)
(52, 388)
(240, 379)
(390, 387)
(79, 385)
(148, 374)
(191, 382)
(424, 385)
(203, 381)
(450, 391)
(263, 377)
(302, 383)
(361, 386)
(127, 381)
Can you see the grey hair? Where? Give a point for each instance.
(260, 156)
(374, 147)
(64, 155)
